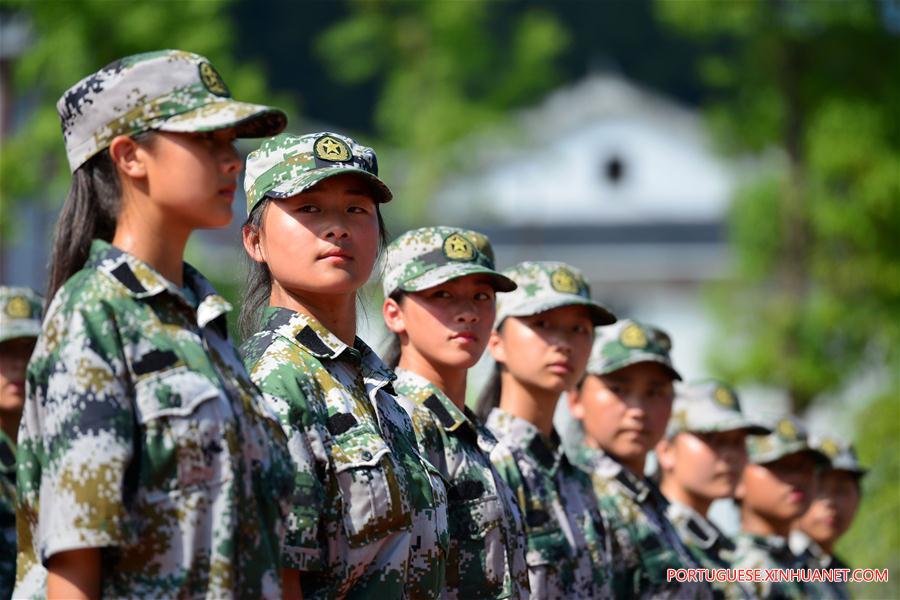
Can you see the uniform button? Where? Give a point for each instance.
(366, 455)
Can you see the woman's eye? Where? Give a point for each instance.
(441, 294)
(482, 296)
(308, 208)
(359, 210)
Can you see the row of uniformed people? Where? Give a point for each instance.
(149, 464)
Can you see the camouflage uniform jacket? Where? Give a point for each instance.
(142, 435)
(814, 556)
(567, 549)
(768, 552)
(7, 516)
(381, 531)
(644, 543)
(487, 536)
(711, 548)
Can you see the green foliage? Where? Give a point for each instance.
(874, 537)
(815, 295)
(445, 69)
(71, 40)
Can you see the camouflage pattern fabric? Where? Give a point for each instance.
(381, 531)
(788, 436)
(628, 342)
(7, 516)
(769, 552)
(644, 543)
(543, 286)
(20, 313)
(166, 90)
(710, 548)
(429, 256)
(286, 165)
(487, 535)
(568, 551)
(813, 556)
(142, 435)
(708, 406)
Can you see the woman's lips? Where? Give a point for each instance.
(336, 255)
(464, 336)
(560, 368)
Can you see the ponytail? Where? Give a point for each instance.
(258, 286)
(90, 212)
(489, 399)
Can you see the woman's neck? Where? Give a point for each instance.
(336, 313)
(757, 524)
(677, 493)
(451, 381)
(150, 237)
(535, 405)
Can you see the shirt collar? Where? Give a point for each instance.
(640, 489)
(545, 454)
(693, 526)
(306, 332)
(799, 543)
(424, 392)
(140, 280)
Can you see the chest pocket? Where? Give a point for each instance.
(375, 501)
(478, 563)
(184, 419)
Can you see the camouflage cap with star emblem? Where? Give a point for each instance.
(166, 90)
(429, 256)
(788, 436)
(287, 165)
(545, 285)
(628, 342)
(20, 313)
(841, 455)
(707, 406)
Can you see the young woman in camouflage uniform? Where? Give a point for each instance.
(313, 236)
(439, 286)
(620, 411)
(541, 340)
(148, 465)
(776, 488)
(701, 460)
(20, 324)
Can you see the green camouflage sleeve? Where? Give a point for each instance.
(77, 434)
(283, 391)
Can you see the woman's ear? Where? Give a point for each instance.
(576, 408)
(496, 347)
(665, 454)
(128, 156)
(250, 235)
(393, 316)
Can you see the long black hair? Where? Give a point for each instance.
(258, 285)
(90, 212)
(391, 355)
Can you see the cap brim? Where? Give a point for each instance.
(306, 180)
(451, 271)
(248, 120)
(599, 314)
(794, 448)
(636, 358)
(20, 331)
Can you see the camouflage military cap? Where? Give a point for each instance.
(166, 90)
(543, 286)
(286, 165)
(707, 406)
(426, 257)
(841, 455)
(626, 343)
(788, 436)
(20, 313)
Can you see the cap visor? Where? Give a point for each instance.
(639, 358)
(599, 315)
(248, 120)
(449, 272)
(381, 192)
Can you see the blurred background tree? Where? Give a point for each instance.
(69, 40)
(814, 303)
